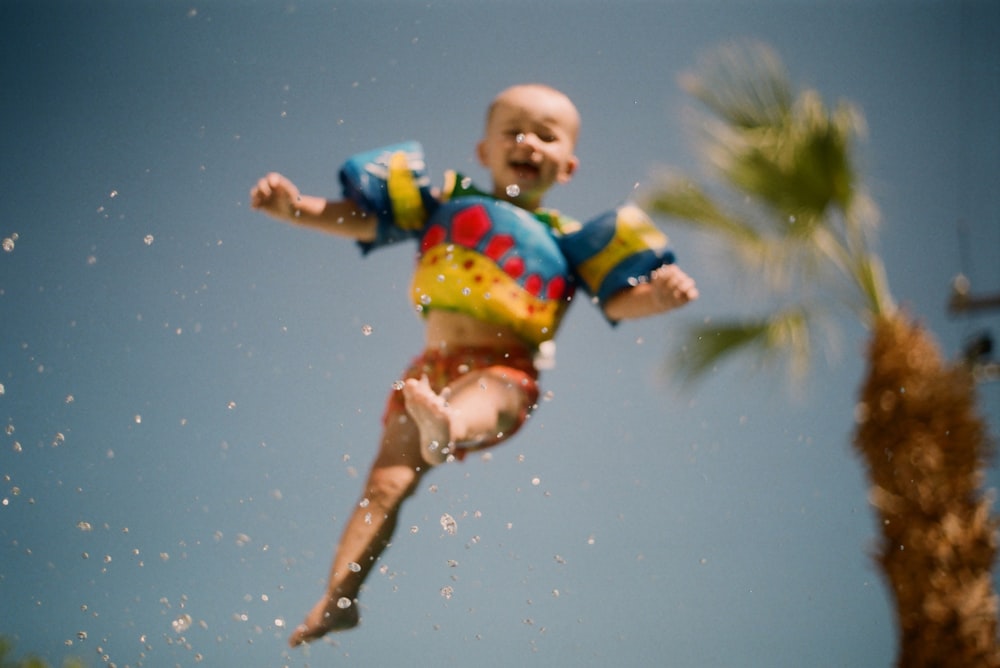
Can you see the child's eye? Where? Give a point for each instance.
(519, 135)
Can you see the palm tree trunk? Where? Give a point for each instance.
(925, 447)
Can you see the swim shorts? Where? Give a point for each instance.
(443, 367)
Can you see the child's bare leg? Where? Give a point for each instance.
(393, 477)
(480, 405)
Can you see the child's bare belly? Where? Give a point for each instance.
(446, 329)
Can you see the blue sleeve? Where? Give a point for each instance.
(616, 250)
(390, 183)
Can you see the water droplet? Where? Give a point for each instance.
(519, 138)
(449, 524)
(148, 239)
(84, 526)
(398, 385)
(366, 330)
(513, 190)
(82, 635)
(354, 567)
(343, 603)
(447, 592)
(414, 529)
(425, 299)
(8, 244)
(181, 624)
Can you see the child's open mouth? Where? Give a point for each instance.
(525, 170)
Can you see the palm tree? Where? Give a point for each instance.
(792, 211)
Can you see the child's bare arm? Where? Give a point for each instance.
(278, 197)
(668, 288)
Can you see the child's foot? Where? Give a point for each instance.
(326, 616)
(433, 417)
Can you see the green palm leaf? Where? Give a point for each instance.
(803, 225)
(783, 333)
(791, 154)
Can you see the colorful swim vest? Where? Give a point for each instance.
(488, 258)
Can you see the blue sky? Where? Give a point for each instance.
(190, 396)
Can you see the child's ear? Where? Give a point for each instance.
(568, 170)
(481, 152)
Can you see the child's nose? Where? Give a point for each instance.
(530, 142)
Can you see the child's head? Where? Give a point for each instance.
(529, 142)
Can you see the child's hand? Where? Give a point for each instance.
(276, 195)
(672, 287)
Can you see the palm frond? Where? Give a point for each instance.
(743, 84)
(797, 216)
(792, 155)
(775, 261)
(784, 333)
(683, 199)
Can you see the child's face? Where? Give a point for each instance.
(529, 143)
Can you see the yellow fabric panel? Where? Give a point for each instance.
(634, 233)
(455, 278)
(407, 206)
